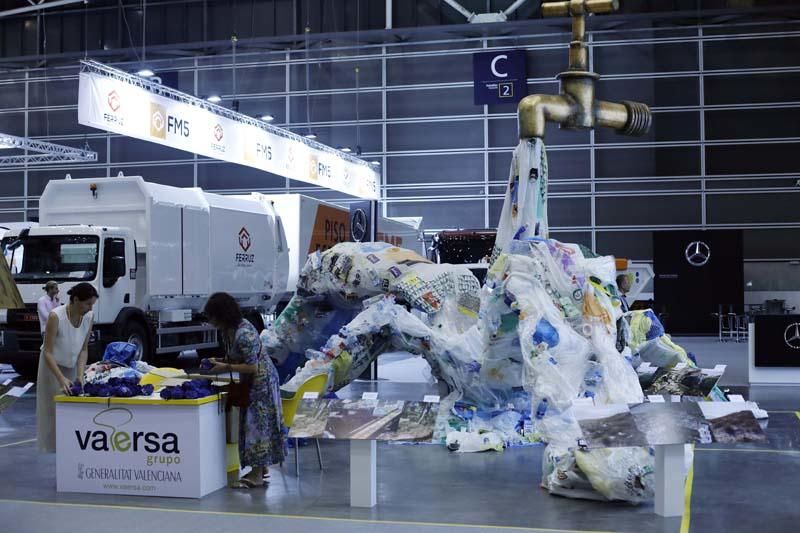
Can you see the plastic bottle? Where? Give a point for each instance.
(541, 409)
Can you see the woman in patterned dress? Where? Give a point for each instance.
(261, 438)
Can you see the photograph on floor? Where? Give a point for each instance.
(732, 422)
(671, 423)
(310, 419)
(682, 381)
(608, 426)
(416, 422)
(359, 419)
(362, 419)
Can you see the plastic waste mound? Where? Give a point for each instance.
(546, 329)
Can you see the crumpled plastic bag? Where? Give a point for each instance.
(469, 442)
(561, 475)
(524, 211)
(121, 353)
(626, 474)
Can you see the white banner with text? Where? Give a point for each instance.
(121, 107)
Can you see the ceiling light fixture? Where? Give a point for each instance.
(311, 136)
(146, 73)
(214, 99)
(267, 118)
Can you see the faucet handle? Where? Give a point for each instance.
(578, 7)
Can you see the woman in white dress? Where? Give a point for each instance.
(63, 358)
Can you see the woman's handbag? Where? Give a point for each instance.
(238, 393)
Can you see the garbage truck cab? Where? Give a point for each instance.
(154, 254)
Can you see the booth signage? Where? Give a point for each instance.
(499, 77)
(139, 450)
(331, 226)
(120, 107)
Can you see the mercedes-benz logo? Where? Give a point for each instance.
(697, 253)
(358, 225)
(791, 335)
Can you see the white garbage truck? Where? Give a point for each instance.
(313, 225)
(154, 253)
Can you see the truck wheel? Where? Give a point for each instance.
(136, 333)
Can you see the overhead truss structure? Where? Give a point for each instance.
(147, 84)
(481, 18)
(44, 152)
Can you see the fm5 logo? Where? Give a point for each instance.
(162, 123)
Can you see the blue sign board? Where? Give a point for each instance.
(499, 77)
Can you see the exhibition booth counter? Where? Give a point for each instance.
(773, 350)
(144, 445)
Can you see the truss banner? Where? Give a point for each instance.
(121, 106)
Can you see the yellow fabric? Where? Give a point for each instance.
(160, 374)
(639, 326)
(341, 366)
(313, 384)
(232, 455)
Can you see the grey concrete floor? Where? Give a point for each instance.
(420, 488)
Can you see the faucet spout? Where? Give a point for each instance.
(536, 110)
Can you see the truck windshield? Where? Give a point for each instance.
(58, 258)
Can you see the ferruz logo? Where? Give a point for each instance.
(244, 239)
(114, 104)
(245, 242)
(791, 336)
(113, 101)
(217, 133)
(162, 123)
(112, 439)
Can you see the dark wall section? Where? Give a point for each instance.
(688, 294)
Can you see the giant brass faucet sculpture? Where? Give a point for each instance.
(576, 106)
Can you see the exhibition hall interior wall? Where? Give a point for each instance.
(721, 153)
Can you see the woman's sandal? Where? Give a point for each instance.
(245, 483)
